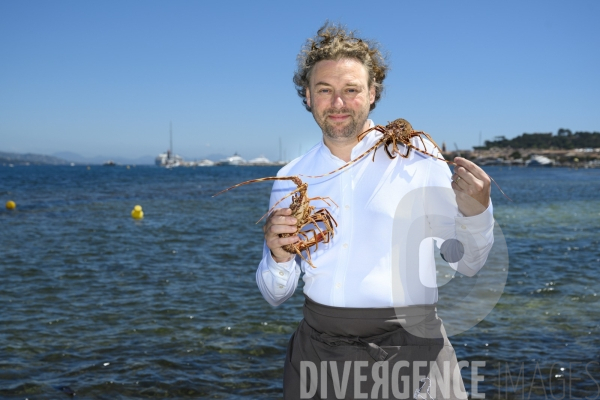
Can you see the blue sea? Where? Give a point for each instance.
(96, 303)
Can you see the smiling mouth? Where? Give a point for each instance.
(338, 117)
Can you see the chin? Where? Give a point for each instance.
(341, 135)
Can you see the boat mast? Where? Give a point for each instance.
(171, 139)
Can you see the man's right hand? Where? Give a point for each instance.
(280, 221)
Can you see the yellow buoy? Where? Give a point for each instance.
(137, 212)
(11, 205)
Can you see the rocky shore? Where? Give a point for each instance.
(574, 158)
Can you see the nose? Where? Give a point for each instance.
(337, 101)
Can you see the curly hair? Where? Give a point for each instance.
(334, 43)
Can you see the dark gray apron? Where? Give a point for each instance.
(371, 353)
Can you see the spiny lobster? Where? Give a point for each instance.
(304, 213)
(399, 131)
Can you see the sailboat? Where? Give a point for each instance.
(168, 159)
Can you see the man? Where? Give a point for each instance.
(370, 329)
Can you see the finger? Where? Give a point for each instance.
(462, 164)
(281, 220)
(456, 186)
(271, 230)
(468, 181)
(280, 216)
(282, 211)
(282, 241)
(279, 229)
(276, 244)
(463, 178)
(477, 189)
(276, 247)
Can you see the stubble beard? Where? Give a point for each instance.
(350, 128)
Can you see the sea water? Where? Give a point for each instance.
(97, 303)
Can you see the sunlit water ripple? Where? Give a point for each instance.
(167, 307)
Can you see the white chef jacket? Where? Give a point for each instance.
(382, 209)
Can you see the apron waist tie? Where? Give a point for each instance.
(376, 352)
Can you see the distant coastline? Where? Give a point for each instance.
(565, 149)
(68, 158)
(564, 139)
(576, 158)
(30, 159)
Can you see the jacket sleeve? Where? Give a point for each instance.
(466, 241)
(277, 281)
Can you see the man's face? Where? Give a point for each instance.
(340, 97)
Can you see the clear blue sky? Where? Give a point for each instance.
(106, 77)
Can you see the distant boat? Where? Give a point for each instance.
(109, 163)
(168, 159)
(539, 161)
(489, 161)
(235, 159)
(204, 163)
(262, 160)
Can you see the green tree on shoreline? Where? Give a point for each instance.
(564, 139)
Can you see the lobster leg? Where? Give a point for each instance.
(430, 139)
(405, 155)
(304, 214)
(298, 190)
(308, 258)
(365, 133)
(387, 150)
(325, 201)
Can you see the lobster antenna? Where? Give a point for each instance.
(295, 179)
(345, 165)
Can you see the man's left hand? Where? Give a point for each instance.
(470, 182)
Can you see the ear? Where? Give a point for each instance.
(308, 97)
(372, 94)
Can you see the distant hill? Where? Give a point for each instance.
(30, 159)
(563, 140)
(79, 159)
(67, 157)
